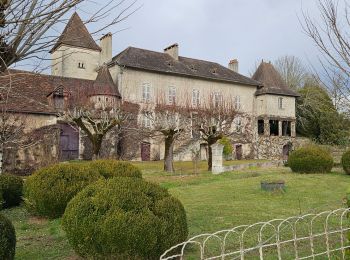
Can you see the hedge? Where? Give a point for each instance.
(114, 168)
(310, 159)
(124, 218)
(11, 189)
(345, 162)
(7, 239)
(48, 190)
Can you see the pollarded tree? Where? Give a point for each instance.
(215, 120)
(96, 117)
(169, 121)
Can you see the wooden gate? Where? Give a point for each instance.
(69, 143)
(145, 151)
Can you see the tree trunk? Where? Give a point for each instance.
(168, 154)
(1, 158)
(96, 147)
(210, 158)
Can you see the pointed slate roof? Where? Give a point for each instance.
(272, 81)
(77, 35)
(163, 63)
(104, 84)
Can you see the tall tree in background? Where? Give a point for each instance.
(292, 71)
(317, 117)
(28, 28)
(331, 34)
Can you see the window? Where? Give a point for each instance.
(261, 127)
(286, 128)
(280, 103)
(217, 99)
(81, 65)
(172, 96)
(195, 98)
(238, 124)
(146, 92)
(274, 128)
(238, 102)
(146, 119)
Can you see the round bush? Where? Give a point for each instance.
(311, 159)
(345, 162)
(11, 189)
(48, 190)
(7, 239)
(114, 168)
(124, 218)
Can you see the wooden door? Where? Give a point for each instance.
(239, 152)
(145, 151)
(69, 143)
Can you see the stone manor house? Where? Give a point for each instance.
(139, 76)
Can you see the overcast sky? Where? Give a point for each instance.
(215, 30)
(220, 30)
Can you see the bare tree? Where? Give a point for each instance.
(169, 121)
(28, 28)
(215, 119)
(331, 36)
(292, 71)
(96, 118)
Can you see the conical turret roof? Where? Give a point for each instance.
(104, 84)
(272, 81)
(77, 35)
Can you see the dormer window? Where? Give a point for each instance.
(214, 71)
(58, 98)
(81, 65)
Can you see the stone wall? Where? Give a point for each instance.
(40, 149)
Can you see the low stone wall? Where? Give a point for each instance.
(230, 168)
(218, 167)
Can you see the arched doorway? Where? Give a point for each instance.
(286, 151)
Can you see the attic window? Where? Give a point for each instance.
(81, 65)
(170, 64)
(192, 67)
(214, 71)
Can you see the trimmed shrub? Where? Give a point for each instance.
(310, 159)
(114, 168)
(345, 162)
(124, 218)
(11, 189)
(7, 239)
(48, 190)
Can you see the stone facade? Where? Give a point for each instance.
(266, 107)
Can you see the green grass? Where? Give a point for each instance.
(212, 203)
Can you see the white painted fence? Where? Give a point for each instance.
(312, 236)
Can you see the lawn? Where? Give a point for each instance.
(212, 202)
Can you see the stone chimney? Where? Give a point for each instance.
(106, 46)
(173, 51)
(233, 65)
